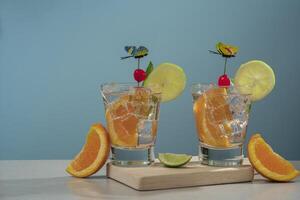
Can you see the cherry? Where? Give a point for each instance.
(224, 81)
(139, 75)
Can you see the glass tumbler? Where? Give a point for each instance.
(132, 114)
(221, 117)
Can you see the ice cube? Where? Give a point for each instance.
(145, 132)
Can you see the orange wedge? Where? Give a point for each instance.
(268, 163)
(93, 155)
(211, 111)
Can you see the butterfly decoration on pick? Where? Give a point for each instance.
(225, 50)
(136, 52)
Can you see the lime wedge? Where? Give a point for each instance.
(255, 78)
(167, 78)
(174, 160)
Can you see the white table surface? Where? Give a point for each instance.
(46, 179)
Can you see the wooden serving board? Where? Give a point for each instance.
(193, 174)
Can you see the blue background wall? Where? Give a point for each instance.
(55, 54)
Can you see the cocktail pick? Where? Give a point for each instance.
(138, 53)
(226, 51)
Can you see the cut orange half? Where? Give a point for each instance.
(93, 154)
(268, 163)
(211, 111)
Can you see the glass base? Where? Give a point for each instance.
(221, 157)
(129, 157)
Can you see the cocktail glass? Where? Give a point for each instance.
(131, 114)
(221, 117)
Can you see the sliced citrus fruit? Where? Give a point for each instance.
(122, 129)
(255, 78)
(174, 160)
(93, 155)
(167, 78)
(268, 163)
(211, 114)
(124, 114)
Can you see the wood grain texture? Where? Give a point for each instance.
(193, 174)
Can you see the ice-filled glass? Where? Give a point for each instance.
(221, 117)
(131, 114)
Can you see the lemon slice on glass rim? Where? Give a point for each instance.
(255, 78)
(168, 79)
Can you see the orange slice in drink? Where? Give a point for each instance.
(268, 163)
(122, 124)
(211, 114)
(93, 155)
(123, 116)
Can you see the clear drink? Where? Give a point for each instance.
(221, 118)
(131, 114)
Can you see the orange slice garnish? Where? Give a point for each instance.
(122, 129)
(211, 111)
(93, 155)
(123, 116)
(122, 122)
(268, 163)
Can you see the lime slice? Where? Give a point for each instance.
(255, 78)
(174, 160)
(167, 78)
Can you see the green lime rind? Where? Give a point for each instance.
(174, 160)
